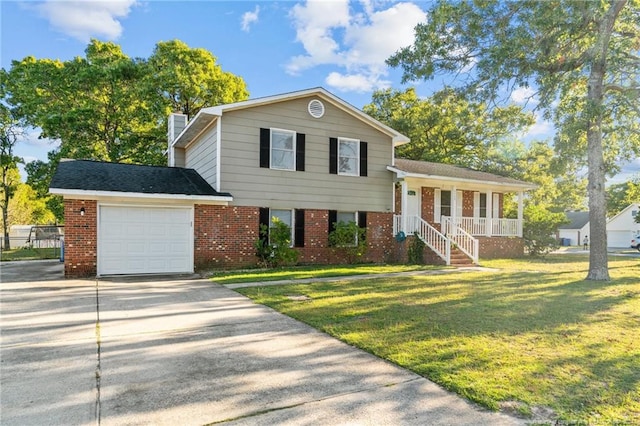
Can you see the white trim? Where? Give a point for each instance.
(89, 195)
(218, 153)
(459, 204)
(495, 206)
(515, 186)
(437, 193)
(357, 142)
(294, 136)
(476, 204)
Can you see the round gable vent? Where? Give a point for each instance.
(316, 108)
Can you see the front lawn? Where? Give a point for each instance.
(305, 272)
(533, 338)
(30, 253)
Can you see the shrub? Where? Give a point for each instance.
(415, 253)
(539, 229)
(273, 248)
(349, 240)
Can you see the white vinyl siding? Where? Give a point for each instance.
(201, 156)
(316, 188)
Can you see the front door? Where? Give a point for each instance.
(414, 201)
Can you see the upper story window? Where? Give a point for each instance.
(348, 157)
(282, 149)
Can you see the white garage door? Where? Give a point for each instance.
(618, 239)
(144, 240)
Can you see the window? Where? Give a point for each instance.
(357, 218)
(483, 205)
(347, 157)
(445, 203)
(294, 219)
(282, 149)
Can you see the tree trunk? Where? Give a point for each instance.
(598, 259)
(5, 225)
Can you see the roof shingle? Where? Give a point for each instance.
(88, 175)
(451, 171)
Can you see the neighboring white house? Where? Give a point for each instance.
(623, 227)
(576, 229)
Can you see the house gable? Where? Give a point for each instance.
(238, 141)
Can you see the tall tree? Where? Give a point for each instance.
(10, 130)
(189, 79)
(447, 128)
(94, 105)
(580, 56)
(110, 107)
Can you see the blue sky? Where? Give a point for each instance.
(275, 46)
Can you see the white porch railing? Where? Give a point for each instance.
(433, 238)
(464, 240)
(479, 226)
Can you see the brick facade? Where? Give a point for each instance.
(80, 239)
(500, 247)
(224, 236)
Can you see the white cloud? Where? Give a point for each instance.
(31, 137)
(332, 33)
(249, 18)
(355, 82)
(541, 128)
(522, 95)
(86, 19)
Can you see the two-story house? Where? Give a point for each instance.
(307, 158)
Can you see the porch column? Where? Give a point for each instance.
(455, 221)
(489, 219)
(520, 212)
(403, 204)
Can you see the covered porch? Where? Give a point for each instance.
(453, 206)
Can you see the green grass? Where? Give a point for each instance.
(304, 272)
(534, 337)
(28, 253)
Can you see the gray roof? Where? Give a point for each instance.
(439, 170)
(576, 220)
(88, 175)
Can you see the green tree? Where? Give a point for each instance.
(25, 208)
(580, 56)
(39, 175)
(110, 107)
(94, 105)
(447, 128)
(188, 79)
(10, 131)
(539, 229)
(620, 195)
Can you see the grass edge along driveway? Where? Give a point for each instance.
(533, 338)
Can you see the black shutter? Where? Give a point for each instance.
(300, 142)
(363, 159)
(264, 220)
(362, 221)
(299, 228)
(265, 147)
(333, 218)
(333, 156)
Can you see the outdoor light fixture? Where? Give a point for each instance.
(81, 211)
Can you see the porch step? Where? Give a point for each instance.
(458, 258)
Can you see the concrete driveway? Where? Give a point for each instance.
(189, 352)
